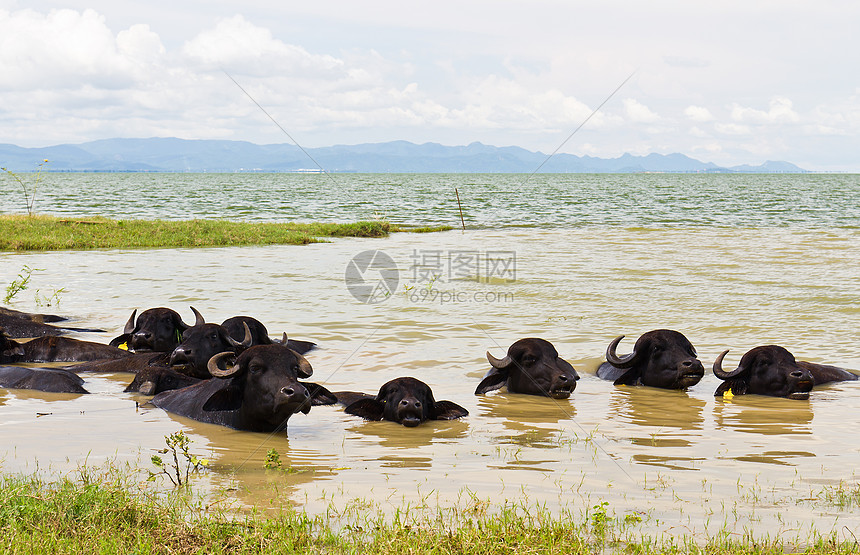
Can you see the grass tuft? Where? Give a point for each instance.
(44, 233)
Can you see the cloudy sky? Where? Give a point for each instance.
(729, 82)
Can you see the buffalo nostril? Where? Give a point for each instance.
(797, 374)
(417, 404)
(288, 390)
(563, 378)
(687, 363)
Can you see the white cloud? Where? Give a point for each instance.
(63, 48)
(780, 111)
(241, 47)
(638, 112)
(698, 114)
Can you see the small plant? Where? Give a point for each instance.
(177, 443)
(53, 299)
(21, 283)
(272, 460)
(29, 199)
(600, 519)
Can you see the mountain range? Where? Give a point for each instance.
(182, 155)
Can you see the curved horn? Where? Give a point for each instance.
(619, 362)
(199, 320)
(497, 363)
(213, 368)
(245, 343)
(129, 326)
(718, 368)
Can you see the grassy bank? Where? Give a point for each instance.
(88, 515)
(43, 233)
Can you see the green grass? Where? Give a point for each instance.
(43, 233)
(112, 513)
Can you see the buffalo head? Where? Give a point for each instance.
(406, 401)
(156, 329)
(531, 366)
(765, 370)
(660, 358)
(263, 386)
(200, 343)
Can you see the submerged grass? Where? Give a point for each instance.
(115, 515)
(43, 233)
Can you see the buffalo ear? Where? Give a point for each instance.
(227, 398)
(446, 410)
(736, 387)
(494, 379)
(117, 341)
(319, 394)
(371, 409)
(631, 377)
(300, 346)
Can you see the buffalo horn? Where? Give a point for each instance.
(246, 342)
(129, 326)
(718, 368)
(199, 320)
(213, 368)
(619, 362)
(497, 363)
(285, 339)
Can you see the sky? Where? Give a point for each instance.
(731, 82)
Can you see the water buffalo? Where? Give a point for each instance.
(258, 392)
(259, 333)
(531, 366)
(660, 358)
(65, 349)
(154, 379)
(406, 401)
(53, 380)
(24, 324)
(200, 343)
(772, 370)
(156, 329)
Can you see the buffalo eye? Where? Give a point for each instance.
(529, 359)
(295, 368)
(255, 368)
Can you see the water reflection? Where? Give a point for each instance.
(527, 420)
(660, 408)
(758, 414)
(395, 436)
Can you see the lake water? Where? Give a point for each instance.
(732, 261)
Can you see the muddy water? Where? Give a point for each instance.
(731, 261)
(689, 463)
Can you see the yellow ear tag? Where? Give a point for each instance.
(728, 395)
(123, 346)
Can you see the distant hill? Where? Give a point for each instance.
(180, 155)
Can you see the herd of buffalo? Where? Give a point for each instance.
(233, 374)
